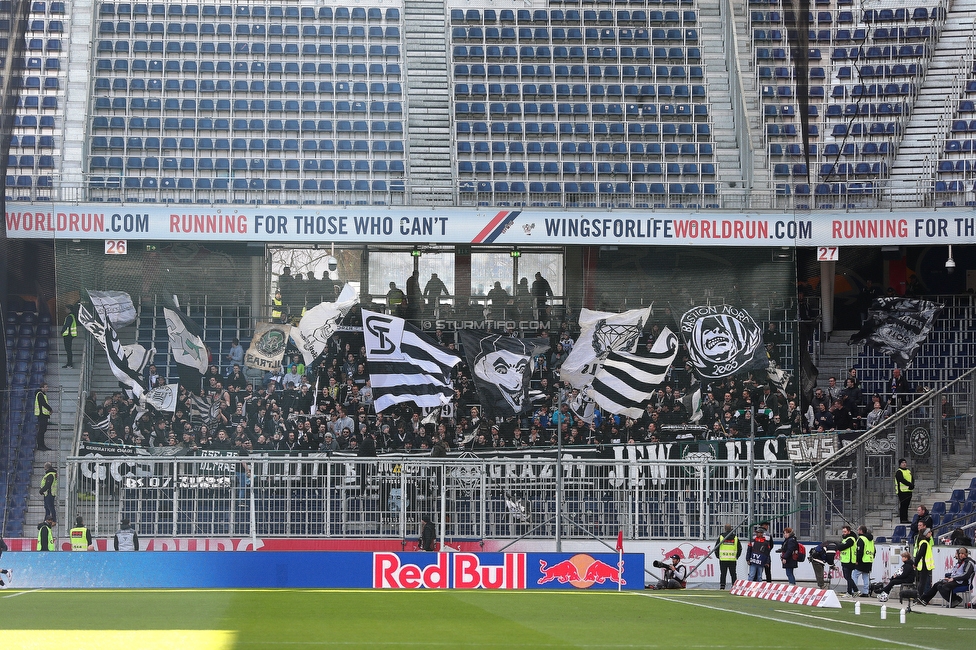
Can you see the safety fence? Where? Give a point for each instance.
(466, 498)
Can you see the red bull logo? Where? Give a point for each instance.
(581, 571)
(449, 571)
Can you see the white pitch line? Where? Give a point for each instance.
(824, 618)
(780, 620)
(21, 593)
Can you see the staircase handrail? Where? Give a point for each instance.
(871, 433)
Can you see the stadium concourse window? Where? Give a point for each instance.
(397, 266)
(487, 268)
(330, 269)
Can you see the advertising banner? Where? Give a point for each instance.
(482, 225)
(381, 570)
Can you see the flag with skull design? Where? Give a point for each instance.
(501, 367)
(722, 340)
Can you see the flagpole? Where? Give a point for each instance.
(559, 477)
(620, 559)
(751, 483)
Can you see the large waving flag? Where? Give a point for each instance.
(136, 356)
(118, 363)
(502, 367)
(601, 332)
(404, 364)
(116, 305)
(186, 345)
(320, 322)
(897, 327)
(627, 380)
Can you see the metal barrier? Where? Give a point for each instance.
(317, 496)
(844, 487)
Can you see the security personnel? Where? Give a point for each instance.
(864, 558)
(924, 562)
(45, 535)
(395, 299)
(277, 307)
(42, 409)
(49, 490)
(81, 538)
(126, 538)
(904, 485)
(69, 331)
(847, 561)
(727, 550)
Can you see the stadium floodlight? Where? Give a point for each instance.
(950, 263)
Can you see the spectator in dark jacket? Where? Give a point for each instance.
(788, 554)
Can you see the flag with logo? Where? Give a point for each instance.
(268, 346)
(116, 305)
(162, 398)
(404, 364)
(186, 345)
(502, 368)
(135, 355)
(320, 322)
(897, 327)
(722, 340)
(601, 332)
(627, 380)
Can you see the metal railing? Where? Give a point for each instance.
(469, 498)
(859, 478)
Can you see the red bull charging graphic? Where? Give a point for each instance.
(507, 571)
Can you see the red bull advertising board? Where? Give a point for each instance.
(507, 571)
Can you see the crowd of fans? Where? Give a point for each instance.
(329, 407)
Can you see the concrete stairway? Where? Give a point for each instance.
(931, 115)
(61, 433)
(63, 395)
(429, 128)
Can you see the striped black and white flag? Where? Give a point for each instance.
(404, 364)
(203, 410)
(627, 380)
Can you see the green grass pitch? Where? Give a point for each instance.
(224, 619)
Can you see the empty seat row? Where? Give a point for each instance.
(31, 141)
(258, 11)
(255, 144)
(42, 162)
(586, 168)
(666, 110)
(906, 89)
(543, 16)
(866, 109)
(101, 122)
(955, 166)
(862, 149)
(585, 35)
(294, 184)
(593, 72)
(395, 167)
(879, 52)
(634, 129)
(870, 71)
(28, 181)
(647, 91)
(631, 149)
(552, 187)
(224, 105)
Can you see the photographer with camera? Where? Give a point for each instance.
(673, 576)
(758, 553)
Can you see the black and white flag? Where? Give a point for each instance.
(162, 398)
(320, 322)
(119, 364)
(627, 380)
(203, 410)
(897, 327)
(136, 356)
(404, 364)
(116, 305)
(502, 367)
(601, 332)
(722, 340)
(186, 345)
